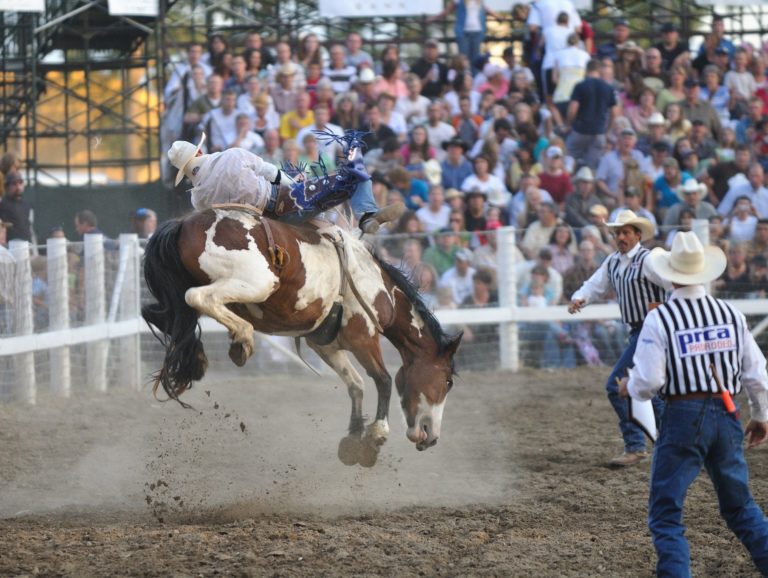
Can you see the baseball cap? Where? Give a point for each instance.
(463, 255)
(621, 22)
(668, 27)
(554, 151)
(431, 42)
(632, 192)
(690, 83)
(628, 132)
(720, 51)
(660, 146)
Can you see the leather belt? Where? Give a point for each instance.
(696, 395)
(635, 326)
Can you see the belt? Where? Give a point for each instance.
(272, 201)
(696, 395)
(635, 326)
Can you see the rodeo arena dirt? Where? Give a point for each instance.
(248, 484)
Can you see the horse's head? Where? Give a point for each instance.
(423, 385)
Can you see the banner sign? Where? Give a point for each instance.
(26, 6)
(134, 8)
(366, 8)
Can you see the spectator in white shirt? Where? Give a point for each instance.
(753, 189)
(181, 71)
(459, 277)
(434, 215)
(437, 130)
(246, 138)
(413, 106)
(742, 224)
(220, 123)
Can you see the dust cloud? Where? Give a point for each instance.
(251, 445)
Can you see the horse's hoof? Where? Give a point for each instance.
(368, 455)
(349, 450)
(238, 354)
(375, 435)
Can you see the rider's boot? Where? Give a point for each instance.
(370, 222)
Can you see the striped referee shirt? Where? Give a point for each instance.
(635, 283)
(684, 336)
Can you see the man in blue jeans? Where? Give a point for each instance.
(637, 287)
(697, 351)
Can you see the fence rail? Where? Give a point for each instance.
(94, 338)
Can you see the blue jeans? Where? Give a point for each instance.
(634, 438)
(362, 199)
(696, 433)
(469, 45)
(585, 149)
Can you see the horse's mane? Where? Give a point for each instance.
(411, 293)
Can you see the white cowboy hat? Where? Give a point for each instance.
(690, 186)
(689, 262)
(628, 217)
(180, 153)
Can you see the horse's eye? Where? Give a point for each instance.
(450, 384)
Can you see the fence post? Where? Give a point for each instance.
(96, 351)
(58, 313)
(23, 320)
(129, 308)
(507, 282)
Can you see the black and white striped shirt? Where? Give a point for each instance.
(684, 337)
(635, 283)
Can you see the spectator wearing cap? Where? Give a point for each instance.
(691, 195)
(15, 210)
(144, 222)
(578, 204)
(554, 178)
(754, 189)
(655, 133)
(285, 92)
(633, 198)
(673, 50)
(704, 145)
(620, 36)
(341, 74)
(610, 171)
(459, 277)
(364, 89)
(442, 252)
(592, 107)
(696, 109)
(432, 72)
(718, 36)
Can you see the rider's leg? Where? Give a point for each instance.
(368, 212)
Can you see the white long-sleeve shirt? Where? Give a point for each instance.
(598, 285)
(232, 176)
(648, 375)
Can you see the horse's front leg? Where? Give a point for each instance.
(371, 359)
(349, 447)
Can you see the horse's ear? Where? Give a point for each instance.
(453, 345)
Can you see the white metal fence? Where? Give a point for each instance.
(70, 322)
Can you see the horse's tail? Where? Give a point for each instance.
(176, 322)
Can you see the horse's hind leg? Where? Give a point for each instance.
(212, 299)
(349, 447)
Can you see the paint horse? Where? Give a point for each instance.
(221, 263)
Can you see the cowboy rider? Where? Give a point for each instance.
(236, 175)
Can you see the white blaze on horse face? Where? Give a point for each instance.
(248, 266)
(416, 321)
(429, 418)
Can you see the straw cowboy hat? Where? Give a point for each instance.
(689, 262)
(690, 186)
(628, 217)
(180, 153)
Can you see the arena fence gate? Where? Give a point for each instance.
(70, 322)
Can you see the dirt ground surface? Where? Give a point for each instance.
(249, 484)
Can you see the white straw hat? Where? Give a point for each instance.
(628, 217)
(690, 186)
(689, 262)
(180, 153)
